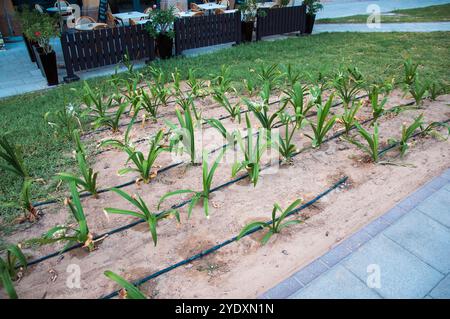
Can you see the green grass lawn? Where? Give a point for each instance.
(379, 54)
(426, 14)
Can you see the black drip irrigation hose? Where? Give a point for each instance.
(137, 222)
(226, 242)
(166, 168)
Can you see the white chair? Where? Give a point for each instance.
(224, 3)
(39, 8)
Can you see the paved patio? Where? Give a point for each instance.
(403, 254)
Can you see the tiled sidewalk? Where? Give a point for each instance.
(403, 254)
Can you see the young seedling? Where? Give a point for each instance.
(323, 123)
(187, 102)
(261, 110)
(31, 213)
(88, 180)
(292, 77)
(285, 146)
(69, 234)
(418, 90)
(184, 133)
(130, 291)
(435, 89)
(315, 92)
(15, 261)
(234, 111)
(269, 75)
(144, 165)
(149, 103)
(348, 84)
(13, 157)
(229, 137)
(295, 97)
(207, 178)
(407, 133)
(195, 84)
(119, 143)
(223, 80)
(348, 118)
(410, 71)
(252, 154)
(142, 212)
(372, 142)
(250, 86)
(376, 104)
(63, 121)
(93, 98)
(275, 226)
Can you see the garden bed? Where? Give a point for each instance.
(246, 268)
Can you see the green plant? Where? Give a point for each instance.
(63, 121)
(315, 92)
(223, 80)
(184, 133)
(291, 76)
(261, 110)
(407, 133)
(25, 202)
(13, 157)
(9, 269)
(229, 137)
(435, 89)
(269, 75)
(161, 92)
(410, 71)
(276, 225)
(144, 165)
(372, 141)
(285, 146)
(376, 104)
(69, 233)
(88, 181)
(132, 95)
(418, 90)
(161, 23)
(250, 86)
(42, 30)
(323, 124)
(348, 118)
(348, 84)
(119, 143)
(130, 290)
(294, 97)
(194, 83)
(221, 98)
(149, 103)
(312, 6)
(207, 177)
(249, 9)
(143, 212)
(252, 153)
(187, 102)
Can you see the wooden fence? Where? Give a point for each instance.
(90, 49)
(203, 31)
(281, 20)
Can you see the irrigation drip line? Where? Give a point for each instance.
(183, 203)
(228, 241)
(166, 168)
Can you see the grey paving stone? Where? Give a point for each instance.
(356, 240)
(284, 289)
(442, 290)
(417, 197)
(437, 183)
(337, 283)
(335, 255)
(447, 187)
(425, 238)
(375, 227)
(446, 174)
(310, 272)
(394, 214)
(437, 206)
(402, 275)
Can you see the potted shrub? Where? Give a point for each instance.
(312, 7)
(249, 12)
(42, 31)
(161, 28)
(27, 18)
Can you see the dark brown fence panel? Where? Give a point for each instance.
(281, 20)
(91, 49)
(203, 31)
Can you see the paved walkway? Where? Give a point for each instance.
(403, 254)
(383, 27)
(343, 8)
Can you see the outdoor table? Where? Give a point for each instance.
(88, 26)
(186, 14)
(266, 4)
(133, 15)
(208, 7)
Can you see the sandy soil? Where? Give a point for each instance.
(244, 269)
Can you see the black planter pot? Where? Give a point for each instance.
(165, 46)
(48, 66)
(29, 44)
(309, 23)
(247, 30)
